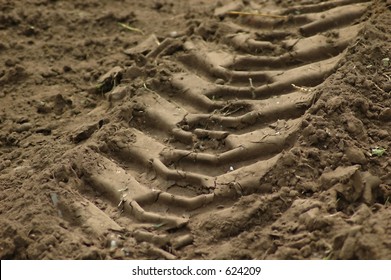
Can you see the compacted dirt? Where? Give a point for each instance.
(195, 129)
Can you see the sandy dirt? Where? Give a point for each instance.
(162, 129)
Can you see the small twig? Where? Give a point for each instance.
(252, 88)
(294, 44)
(226, 110)
(150, 90)
(379, 88)
(157, 95)
(123, 190)
(303, 89)
(233, 111)
(283, 200)
(128, 27)
(256, 14)
(121, 203)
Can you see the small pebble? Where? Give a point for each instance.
(174, 34)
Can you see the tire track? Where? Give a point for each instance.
(234, 105)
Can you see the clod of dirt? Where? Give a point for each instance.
(84, 132)
(61, 104)
(150, 43)
(344, 243)
(385, 114)
(351, 183)
(167, 47)
(355, 126)
(43, 107)
(108, 80)
(133, 72)
(370, 187)
(355, 155)
(118, 93)
(13, 241)
(313, 219)
(362, 213)
(13, 75)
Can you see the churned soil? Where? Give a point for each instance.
(162, 129)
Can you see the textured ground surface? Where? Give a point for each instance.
(195, 130)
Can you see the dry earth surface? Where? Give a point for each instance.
(162, 129)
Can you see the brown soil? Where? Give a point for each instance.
(162, 129)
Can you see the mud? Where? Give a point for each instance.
(177, 130)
